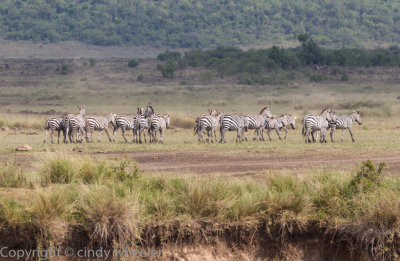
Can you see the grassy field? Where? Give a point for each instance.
(294, 197)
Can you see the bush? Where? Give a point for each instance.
(368, 178)
(167, 70)
(92, 61)
(140, 78)
(11, 176)
(67, 68)
(133, 63)
(345, 77)
(169, 56)
(318, 78)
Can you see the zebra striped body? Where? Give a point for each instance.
(275, 123)
(232, 123)
(257, 122)
(99, 123)
(142, 126)
(207, 123)
(344, 122)
(158, 124)
(74, 122)
(125, 123)
(290, 121)
(53, 124)
(313, 123)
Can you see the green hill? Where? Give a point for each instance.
(201, 23)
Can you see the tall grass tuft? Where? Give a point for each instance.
(11, 176)
(58, 169)
(108, 218)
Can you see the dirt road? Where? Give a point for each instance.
(209, 161)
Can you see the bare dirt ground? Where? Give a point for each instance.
(217, 161)
(209, 161)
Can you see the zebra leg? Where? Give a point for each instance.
(98, 137)
(312, 135)
(58, 140)
(222, 132)
(208, 136)
(123, 134)
(51, 135)
(115, 131)
(255, 134)
(351, 133)
(269, 134)
(238, 135)
(161, 135)
(285, 132)
(307, 138)
(343, 130)
(279, 133)
(108, 135)
(331, 133)
(45, 136)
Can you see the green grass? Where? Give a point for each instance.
(113, 207)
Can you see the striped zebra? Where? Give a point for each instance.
(99, 123)
(125, 122)
(142, 126)
(53, 124)
(257, 122)
(290, 121)
(207, 123)
(232, 123)
(158, 124)
(275, 123)
(344, 122)
(313, 123)
(74, 122)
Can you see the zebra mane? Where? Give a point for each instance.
(263, 109)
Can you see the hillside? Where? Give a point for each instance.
(202, 23)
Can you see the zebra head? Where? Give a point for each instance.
(355, 116)
(245, 122)
(149, 111)
(266, 112)
(111, 118)
(218, 115)
(140, 111)
(282, 120)
(325, 114)
(166, 118)
(81, 110)
(291, 121)
(212, 112)
(332, 116)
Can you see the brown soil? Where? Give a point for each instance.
(211, 161)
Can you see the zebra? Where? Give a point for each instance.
(142, 125)
(290, 121)
(99, 123)
(207, 123)
(125, 122)
(74, 122)
(53, 124)
(313, 123)
(231, 123)
(275, 123)
(344, 122)
(158, 124)
(257, 122)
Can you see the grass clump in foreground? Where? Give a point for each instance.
(112, 202)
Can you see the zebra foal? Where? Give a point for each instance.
(207, 123)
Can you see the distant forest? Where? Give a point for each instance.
(201, 23)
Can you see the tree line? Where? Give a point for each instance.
(201, 23)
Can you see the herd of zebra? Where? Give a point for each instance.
(80, 125)
(147, 119)
(265, 120)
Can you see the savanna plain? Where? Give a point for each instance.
(266, 200)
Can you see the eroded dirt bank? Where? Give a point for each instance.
(208, 241)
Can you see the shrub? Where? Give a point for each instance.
(67, 68)
(318, 78)
(140, 78)
(345, 77)
(92, 61)
(133, 63)
(167, 70)
(367, 178)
